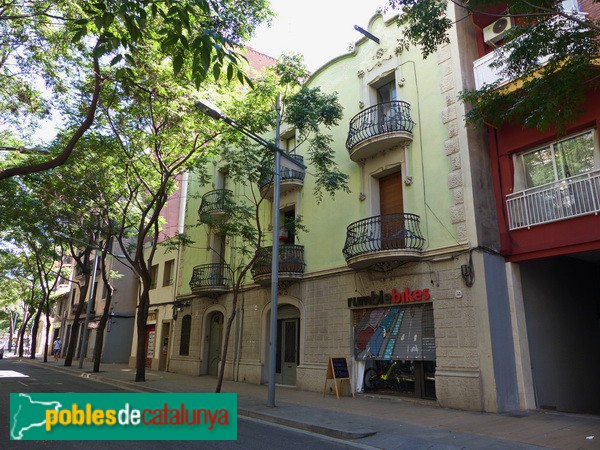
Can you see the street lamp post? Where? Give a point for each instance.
(281, 159)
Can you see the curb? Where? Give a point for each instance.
(318, 429)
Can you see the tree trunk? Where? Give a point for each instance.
(21, 333)
(100, 332)
(34, 330)
(226, 341)
(140, 359)
(47, 304)
(12, 323)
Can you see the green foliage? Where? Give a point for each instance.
(72, 48)
(551, 52)
(426, 23)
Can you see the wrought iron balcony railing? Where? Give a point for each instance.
(286, 174)
(210, 278)
(216, 202)
(381, 233)
(378, 120)
(291, 262)
(571, 197)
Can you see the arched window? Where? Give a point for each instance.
(186, 329)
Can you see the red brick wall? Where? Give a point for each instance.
(590, 7)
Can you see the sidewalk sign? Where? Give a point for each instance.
(337, 370)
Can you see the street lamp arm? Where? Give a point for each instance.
(213, 112)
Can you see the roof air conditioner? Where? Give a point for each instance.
(497, 30)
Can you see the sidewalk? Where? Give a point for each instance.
(370, 420)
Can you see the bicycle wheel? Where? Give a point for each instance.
(370, 379)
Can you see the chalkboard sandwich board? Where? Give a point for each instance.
(337, 370)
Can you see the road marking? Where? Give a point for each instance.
(12, 374)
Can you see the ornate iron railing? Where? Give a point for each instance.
(216, 201)
(382, 118)
(571, 197)
(285, 173)
(211, 276)
(386, 232)
(291, 260)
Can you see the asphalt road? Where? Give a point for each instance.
(252, 434)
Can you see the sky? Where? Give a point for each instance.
(318, 29)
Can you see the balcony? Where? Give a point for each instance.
(379, 128)
(216, 204)
(83, 311)
(290, 179)
(484, 74)
(210, 279)
(561, 200)
(291, 264)
(383, 241)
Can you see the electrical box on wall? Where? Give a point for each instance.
(497, 30)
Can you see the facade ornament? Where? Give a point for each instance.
(360, 73)
(401, 82)
(361, 104)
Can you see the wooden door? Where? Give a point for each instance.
(391, 206)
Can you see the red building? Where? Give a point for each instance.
(547, 192)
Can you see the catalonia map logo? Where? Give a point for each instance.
(123, 416)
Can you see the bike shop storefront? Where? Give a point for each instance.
(394, 343)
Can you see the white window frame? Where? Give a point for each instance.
(520, 172)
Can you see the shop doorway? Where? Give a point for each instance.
(150, 344)
(164, 346)
(215, 339)
(287, 351)
(287, 344)
(397, 345)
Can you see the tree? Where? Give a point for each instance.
(550, 50)
(310, 112)
(104, 35)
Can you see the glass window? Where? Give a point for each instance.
(560, 160)
(168, 273)
(186, 329)
(153, 276)
(539, 167)
(575, 156)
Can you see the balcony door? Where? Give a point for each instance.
(215, 339)
(391, 202)
(385, 95)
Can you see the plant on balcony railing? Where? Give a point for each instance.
(211, 276)
(382, 118)
(285, 173)
(219, 200)
(291, 260)
(381, 233)
(571, 197)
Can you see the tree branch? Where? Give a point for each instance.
(64, 155)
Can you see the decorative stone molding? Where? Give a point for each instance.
(360, 74)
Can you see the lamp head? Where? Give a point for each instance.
(209, 109)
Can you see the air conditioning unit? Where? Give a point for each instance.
(497, 30)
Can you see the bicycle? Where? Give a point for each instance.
(398, 376)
